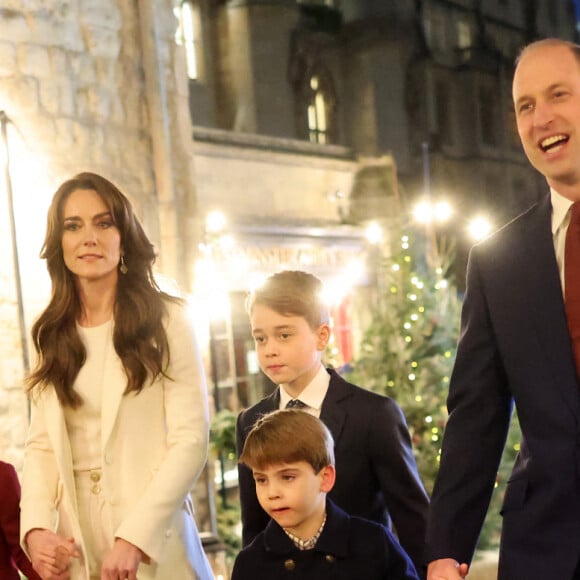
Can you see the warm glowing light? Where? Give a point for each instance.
(422, 212)
(215, 221)
(426, 212)
(227, 242)
(374, 233)
(442, 211)
(479, 228)
(212, 296)
(337, 288)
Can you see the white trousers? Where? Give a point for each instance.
(94, 518)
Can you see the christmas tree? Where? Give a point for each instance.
(409, 345)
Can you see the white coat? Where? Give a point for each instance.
(154, 446)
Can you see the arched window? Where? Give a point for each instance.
(188, 35)
(317, 114)
(316, 107)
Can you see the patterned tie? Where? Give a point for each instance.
(572, 281)
(295, 404)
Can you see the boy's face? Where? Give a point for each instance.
(289, 350)
(294, 496)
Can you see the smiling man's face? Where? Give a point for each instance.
(546, 93)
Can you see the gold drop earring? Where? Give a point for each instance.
(123, 267)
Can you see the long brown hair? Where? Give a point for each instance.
(139, 337)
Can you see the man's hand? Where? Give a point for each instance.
(446, 569)
(51, 554)
(122, 562)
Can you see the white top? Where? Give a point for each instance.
(312, 395)
(84, 423)
(560, 220)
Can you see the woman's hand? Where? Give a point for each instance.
(122, 562)
(51, 554)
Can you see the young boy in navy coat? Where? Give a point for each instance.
(291, 456)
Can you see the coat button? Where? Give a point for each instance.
(95, 476)
(289, 564)
(330, 558)
(96, 489)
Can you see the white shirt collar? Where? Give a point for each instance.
(313, 394)
(560, 207)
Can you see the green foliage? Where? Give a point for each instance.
(223, 432)
(223, 442)
(228, 526)
(408, 349)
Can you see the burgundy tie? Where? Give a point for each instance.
(572, 281)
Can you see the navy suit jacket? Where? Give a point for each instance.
(12, 557)
(348, 549)
(514, 347)
(376, 472)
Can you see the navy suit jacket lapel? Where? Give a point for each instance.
(272, 402)
(545, 300)
(333, 413)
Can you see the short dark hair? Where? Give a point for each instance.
(292, 293)
(288, 436)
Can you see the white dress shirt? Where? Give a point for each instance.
(312, 395)
(560, 220)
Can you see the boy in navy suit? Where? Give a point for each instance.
(377, 472)
(291, 456)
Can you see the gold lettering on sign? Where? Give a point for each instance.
(271, 256)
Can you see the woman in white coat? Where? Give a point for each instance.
(119, 426)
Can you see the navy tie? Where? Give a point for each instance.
(295, 404)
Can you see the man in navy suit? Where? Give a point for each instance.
(377, 472)
(515, 347)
